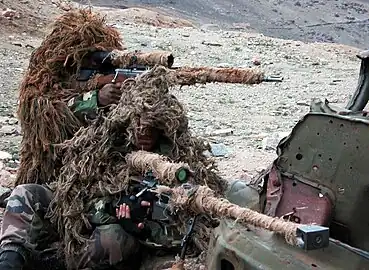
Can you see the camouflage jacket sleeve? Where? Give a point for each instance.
(99, 213)
(84, 106)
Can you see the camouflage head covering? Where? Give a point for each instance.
(44, 116)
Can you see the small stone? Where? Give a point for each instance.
(275, 113)
(8, 130)
(9, 13)
(6, 179)
(207, 154)
(246, 176)
(224, 65)
(303, 103)
(258, 136)
(256, 61)
(185, 35)
(220, 132)
(5, 155)
(271, 142)
(218, 149)
(210, 27)
(4, 190)
(260, 169)
(4, 120)
(208, 43)
(18, 44)
(29, 46)
(12, 121)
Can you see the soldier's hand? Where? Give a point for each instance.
(124, 212)
(109, 94)
(139, 230)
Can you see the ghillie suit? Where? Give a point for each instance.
(47, 86)
(94, 160)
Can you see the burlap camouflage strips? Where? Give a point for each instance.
(24, 224)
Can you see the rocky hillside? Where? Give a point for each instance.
(340, 21)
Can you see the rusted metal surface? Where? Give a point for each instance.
(320, 176)
(296, 201)
(274, 192)
(232, 244)
(331, 151)
(303, 204)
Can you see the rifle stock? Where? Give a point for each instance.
(111, 78)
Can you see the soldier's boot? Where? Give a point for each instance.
(11, 260)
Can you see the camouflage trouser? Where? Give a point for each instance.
(24, 224)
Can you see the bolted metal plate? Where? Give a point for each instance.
(332, 151)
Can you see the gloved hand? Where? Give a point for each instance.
(140, 208)
(123, 213)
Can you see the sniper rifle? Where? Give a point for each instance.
(145, 189)
(100, 63)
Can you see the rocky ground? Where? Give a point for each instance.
(340, 21)
(244, 121)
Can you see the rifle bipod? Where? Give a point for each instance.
(188, 236)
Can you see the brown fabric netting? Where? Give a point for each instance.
(124, 59)
(94, 159)
(202, 199)
(163, 169)
(194, 75)
(44, 116)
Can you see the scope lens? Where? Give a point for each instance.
(182, 175)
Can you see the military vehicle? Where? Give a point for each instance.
(321, 176)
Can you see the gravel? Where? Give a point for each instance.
(253, 113)
(339, 21)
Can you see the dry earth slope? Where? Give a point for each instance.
(340, 21)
